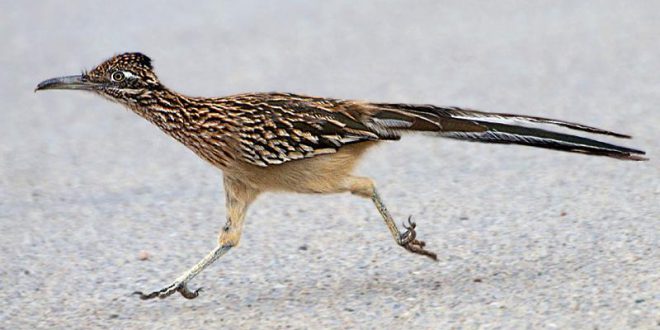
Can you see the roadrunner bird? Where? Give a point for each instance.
(285, 142)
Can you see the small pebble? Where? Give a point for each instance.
(143, 255)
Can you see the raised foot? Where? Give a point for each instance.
(408, 240)
(177, 286)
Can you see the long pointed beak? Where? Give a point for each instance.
(68, 82)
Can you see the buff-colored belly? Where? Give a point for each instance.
(320, 174)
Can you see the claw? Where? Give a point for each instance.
(411, 224)
(180, 287)
(144, 296)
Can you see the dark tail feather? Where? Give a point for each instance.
(535, 137)
(501, 128)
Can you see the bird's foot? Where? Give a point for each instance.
(408, 240)
(177, 286)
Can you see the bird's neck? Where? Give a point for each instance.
(199, 123)
(172, 112)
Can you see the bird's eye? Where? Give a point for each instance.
(118, 76)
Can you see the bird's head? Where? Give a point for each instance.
(124, 78)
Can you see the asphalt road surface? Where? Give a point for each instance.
(527, 238)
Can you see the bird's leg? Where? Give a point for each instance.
(366, 188)
(239, 197)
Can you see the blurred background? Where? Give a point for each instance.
(95, 203)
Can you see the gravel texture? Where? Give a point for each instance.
(95, 203)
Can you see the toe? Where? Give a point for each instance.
(162, 293)
(186, 293)
(144, 296)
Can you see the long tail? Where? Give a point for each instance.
(503, 128)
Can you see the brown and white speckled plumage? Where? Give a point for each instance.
(286, 142)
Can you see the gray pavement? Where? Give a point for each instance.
(527, 238)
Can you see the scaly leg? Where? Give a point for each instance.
(365, 187)
(181, 283)
(239, 197)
